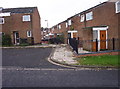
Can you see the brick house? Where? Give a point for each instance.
(72, 28)
(22, 24)
(60, 29)
(101, 22)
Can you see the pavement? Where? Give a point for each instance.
(62, 54)
(34, 46)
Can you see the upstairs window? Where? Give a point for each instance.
(82, 18)
(89, 16)
(117, 5)
(26, 18)
(59, 27)
(53, 29)
(29, 34)
(2, 21)
(66, 24)
(69, 22)
(5, 14)
(1, 9)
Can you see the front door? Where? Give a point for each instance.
(74, 35)
(16, 38)
(102, 39)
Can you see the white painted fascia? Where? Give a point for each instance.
(74, 31)
(100, 28)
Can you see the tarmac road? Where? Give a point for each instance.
(27, 58)
(30, 68)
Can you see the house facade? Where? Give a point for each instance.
(101, 23)
(60, 29)
(22, 24)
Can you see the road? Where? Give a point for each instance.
(30, 68)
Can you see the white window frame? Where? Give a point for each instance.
(29, 33)
(89, 16)
(66, 24)
(69, 22)
(26, 18)
(82, 18)
(1, 8)
(2, 21)
(117, 6)
(59, 26)
(53, 29)
(2, 33)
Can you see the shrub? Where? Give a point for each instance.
(6, 40)
(23, 42)
(60, 38)
(57, 40)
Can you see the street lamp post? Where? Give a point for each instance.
(47, 23)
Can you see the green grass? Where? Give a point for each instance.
(105, 60)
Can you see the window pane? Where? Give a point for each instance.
(29, 34)
(82, 18)
(1, 20)
(69, 22)
(66, 24)
(117, 7)
(95, 34)
(59, 26)
(89, 16)
(26, 18)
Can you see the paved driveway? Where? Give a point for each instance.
(27, 58)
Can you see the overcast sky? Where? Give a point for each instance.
(54, 11)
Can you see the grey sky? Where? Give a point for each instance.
(54, 11)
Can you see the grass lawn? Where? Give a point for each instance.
(105, 60)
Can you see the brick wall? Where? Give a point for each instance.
(36, 26)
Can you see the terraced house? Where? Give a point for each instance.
(22, 24)
(101, 23)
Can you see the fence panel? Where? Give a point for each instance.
(99, 45)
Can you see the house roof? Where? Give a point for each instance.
(19, 10)
(88, 9)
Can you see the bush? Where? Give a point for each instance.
(58, 40)
(23, 42)
(6, 40)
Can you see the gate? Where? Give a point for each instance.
(74, 44)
